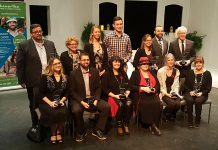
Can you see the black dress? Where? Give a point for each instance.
(141, 53)
(149, 104)
(52, 89)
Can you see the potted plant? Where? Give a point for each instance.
(197, 39)
(86, 33)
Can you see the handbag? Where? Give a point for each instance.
(34, 135)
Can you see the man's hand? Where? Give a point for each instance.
(23, 85)
(187, 62)
(95, 102)
(177, 63)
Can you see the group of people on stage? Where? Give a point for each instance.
(95, 79)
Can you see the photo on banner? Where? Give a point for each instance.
(12, 32)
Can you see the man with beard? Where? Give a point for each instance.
(32, 59)
(159, 46)
(85, 91)
(12, 27)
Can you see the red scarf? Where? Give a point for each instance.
(143, 81)
(113, 106)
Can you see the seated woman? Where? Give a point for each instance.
(145, 51)
(168, 77)
(198, 84)
(116, 91)
(53, 90)
(70, 58)
(97, 51)
(149, 105)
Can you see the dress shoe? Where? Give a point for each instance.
(157, 131)
(120, 131)
(126, 130)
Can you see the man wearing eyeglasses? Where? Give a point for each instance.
(32, 58)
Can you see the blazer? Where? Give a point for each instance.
(157, 51)
(29, 67)
(162, 76)
(88, 48)
(206, 82)
(77, 85)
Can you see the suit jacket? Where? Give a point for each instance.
(190, 54)
(77, 84)
(88, 48)
(29, 67)
(161, 75)
(157, 51)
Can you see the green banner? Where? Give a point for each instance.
(12, 32)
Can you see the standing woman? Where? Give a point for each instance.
(198, 84)
(116, 90)
(53, 93)
(144, 51)
(97, 51)
(145, 83)
(70, 58)
(168, 77)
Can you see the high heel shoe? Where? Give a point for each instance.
(53, 139)
(59, 138)
(126, 130)
(120, 131)
(156, 131)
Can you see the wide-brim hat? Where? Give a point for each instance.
(144, 60)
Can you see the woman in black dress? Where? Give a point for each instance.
(97, 51)
(198, 84)
(116, 90)
(168, 77)
(145, 51)
(145, 83)
(70, 58)
(53, 92)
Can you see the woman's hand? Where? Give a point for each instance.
(62, 103)
(146, 89)
(102, 72)
(192, 93)
(199, 94)
(53, 104)
(117, 96)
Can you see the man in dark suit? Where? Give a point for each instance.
(32, 58)
(183, 51)
(85, 85)
(159, 46)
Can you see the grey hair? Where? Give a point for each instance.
(167, 56)
(181, 29)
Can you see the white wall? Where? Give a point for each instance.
(204, 19)
(67, 18)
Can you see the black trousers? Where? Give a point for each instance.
(197, 101)
(33, 95)
(124, 112)
(173, 105)
(77, 111)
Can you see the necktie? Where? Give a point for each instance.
(183, 49)
(160, 44)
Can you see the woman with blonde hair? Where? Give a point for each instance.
(53, 92)
(97, 51)
(70, 58)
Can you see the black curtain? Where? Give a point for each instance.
(146, 11)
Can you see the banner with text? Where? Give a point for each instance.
(12, 32)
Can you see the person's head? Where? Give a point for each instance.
(12, 24)
(146, 41)
(199, 63)
(158, 31)
(95, 34)
(118, 24)
(72, 44)
(181, 32)
(54, 66)
(116, 63)
(84, 60)
(169, 60)
(36, 32)
(144, 63)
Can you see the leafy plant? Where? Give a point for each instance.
(86, 33)
(197, 39)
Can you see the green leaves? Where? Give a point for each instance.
(197, 39)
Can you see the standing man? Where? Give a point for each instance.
(117, 42)
(85, 91)
(183, 51)
(159, 46)
(32, 58)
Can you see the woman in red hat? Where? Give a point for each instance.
(148, 104)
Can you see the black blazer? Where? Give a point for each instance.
(77, 85)
(206, 82)
(29, 67)
(157, 51)
(88, 48)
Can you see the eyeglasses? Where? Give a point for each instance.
(37, 32)
(55, 64)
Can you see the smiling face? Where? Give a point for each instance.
(170, 62)
(199, 65)
(12, 25)
(118, 26)
(84, 61)
(56, 66)
(36, 33)
(158, 32)
(72, 46)
(182, 35)
(96, 33)
(116, 65)
(148, 41)
(144, 67)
